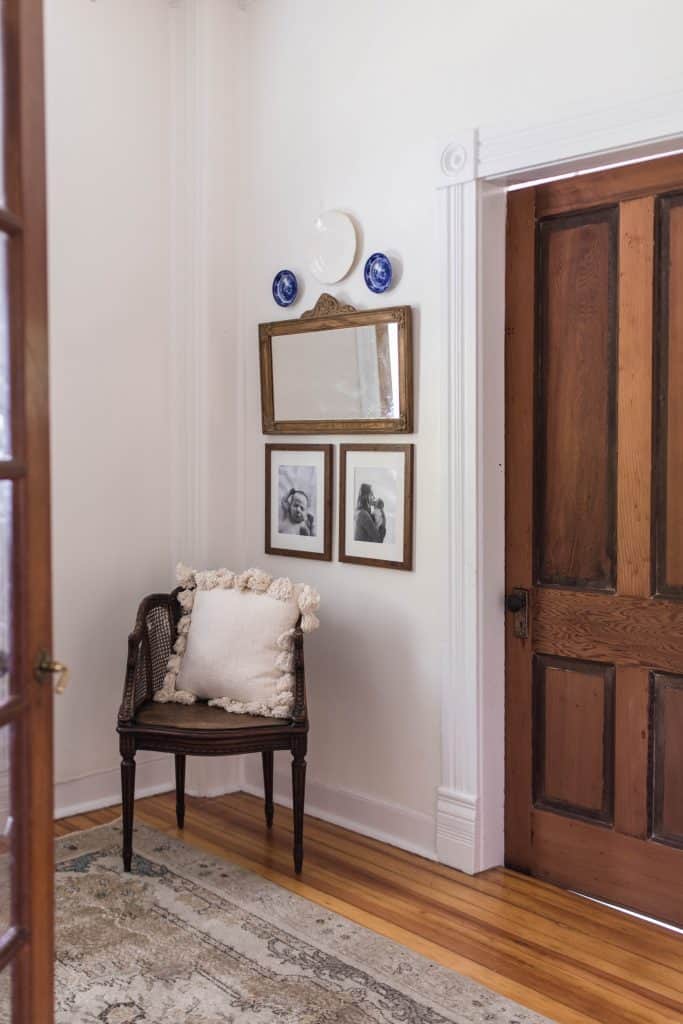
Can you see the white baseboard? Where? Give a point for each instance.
(457, 827)
(390, 823)
(154, 774)
(103, 788)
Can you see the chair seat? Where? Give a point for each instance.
(200, 716)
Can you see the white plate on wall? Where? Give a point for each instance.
(332, 246)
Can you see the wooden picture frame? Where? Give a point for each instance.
(329, 315)
(379, 463)
(294, 476)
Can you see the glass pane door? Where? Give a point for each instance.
(26, 848)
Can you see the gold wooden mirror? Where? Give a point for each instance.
(338, 370)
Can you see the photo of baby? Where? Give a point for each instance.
(298, 490)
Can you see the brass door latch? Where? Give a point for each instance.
(45, 666)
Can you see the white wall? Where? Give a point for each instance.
(190, 145)
(108, 196)
(348, 105)
(130, 306)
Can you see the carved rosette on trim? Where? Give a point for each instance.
(453, 159)
(258, 582)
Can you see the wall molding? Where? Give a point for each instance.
(189, 24)
(582, 137)
(473, 171)
(369, 816)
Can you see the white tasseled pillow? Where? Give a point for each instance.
(235, 641)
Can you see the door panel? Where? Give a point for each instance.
(576, 401)
(594, 533)
(573, 737)
(669, 429)
(667, 777)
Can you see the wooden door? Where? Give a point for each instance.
(26, 914)
(594, 535)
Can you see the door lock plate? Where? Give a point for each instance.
(517, 603)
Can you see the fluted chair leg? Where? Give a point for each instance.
(180, 789)
(298, 795)
(267, 758)
(127, 798)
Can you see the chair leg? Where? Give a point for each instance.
(298, 793)
(127, 797)
(180, 790)
(267, 758)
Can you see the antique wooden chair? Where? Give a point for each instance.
(182, 729)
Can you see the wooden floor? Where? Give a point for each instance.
(563, 956)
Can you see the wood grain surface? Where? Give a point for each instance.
(575, 401)
(627, 630)
(636, 254)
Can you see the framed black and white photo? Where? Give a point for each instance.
(299, 500)
(376, 505)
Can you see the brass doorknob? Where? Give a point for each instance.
(46, 666)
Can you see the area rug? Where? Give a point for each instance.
(194, 939)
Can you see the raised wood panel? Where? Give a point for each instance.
(668, 449)
(667, 775)
(625, 630)
(575, 445)
(573, 737)
(636, 255)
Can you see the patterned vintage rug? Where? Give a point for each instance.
(190, 938)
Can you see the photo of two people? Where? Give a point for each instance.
(375, 513)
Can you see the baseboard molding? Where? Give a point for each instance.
(390, 823)
(103, 788)
(379, 819)
(153, 775)
(457, 830)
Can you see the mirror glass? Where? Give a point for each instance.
(347, 373)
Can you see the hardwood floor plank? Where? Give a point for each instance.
(574, 961)
(557, 906)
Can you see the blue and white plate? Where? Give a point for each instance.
(378, 272)
(285, 287)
